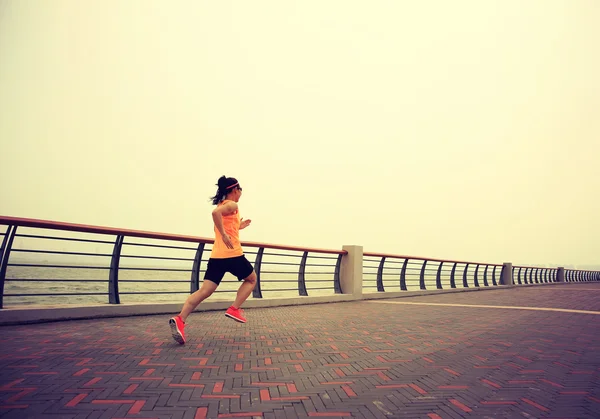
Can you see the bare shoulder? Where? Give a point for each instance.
(228, 208)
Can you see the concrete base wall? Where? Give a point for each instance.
(38, 314)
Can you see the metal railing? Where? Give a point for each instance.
(534, 275)
(46, 261)
(385, 272)
(572, 275)
(109, 263)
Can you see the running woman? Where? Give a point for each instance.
(226, 256)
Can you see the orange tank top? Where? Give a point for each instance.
(231, 224)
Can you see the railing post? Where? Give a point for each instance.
(485, 281)
(257, 292)
(438, 277)
(113, 276)
(531, 275)
(195, 279)
(403, 275)
(380, 287)
(422, 276)
(336, 275)
(506, 277)
(465, 282)
(475, 279)
(301, 276)
(452, 281)
(560, 275)
(4, 256)
(351, 271)
(494, 277)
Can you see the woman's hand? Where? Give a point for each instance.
(244, 223)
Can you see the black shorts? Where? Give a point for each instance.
(238, 266)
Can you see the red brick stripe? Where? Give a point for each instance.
(201, 413)
(265, 395)
(106, 401)
(551, 383)
(75, 400)
(349, 391)
(137, 406)
(461, 406)
(81, 372)
(131, 389)
(497, 402)
(490, 383)
(534, 404)
(417, 389)
(92, 381)
(452, 372)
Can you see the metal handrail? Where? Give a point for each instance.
(388, 255)
(83, 228)
(305, 265)
(417, 266)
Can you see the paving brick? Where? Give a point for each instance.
(422, 360)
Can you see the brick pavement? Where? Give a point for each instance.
(368, 359)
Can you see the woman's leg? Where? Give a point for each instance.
(245, 290)
(205, 291)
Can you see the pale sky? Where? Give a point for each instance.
(464, 130)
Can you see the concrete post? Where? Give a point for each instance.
(560, 275)
(351, 271)
(507, 274)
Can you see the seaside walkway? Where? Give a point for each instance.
(524, 352)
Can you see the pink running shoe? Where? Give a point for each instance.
(177, 326)
(236, 314)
